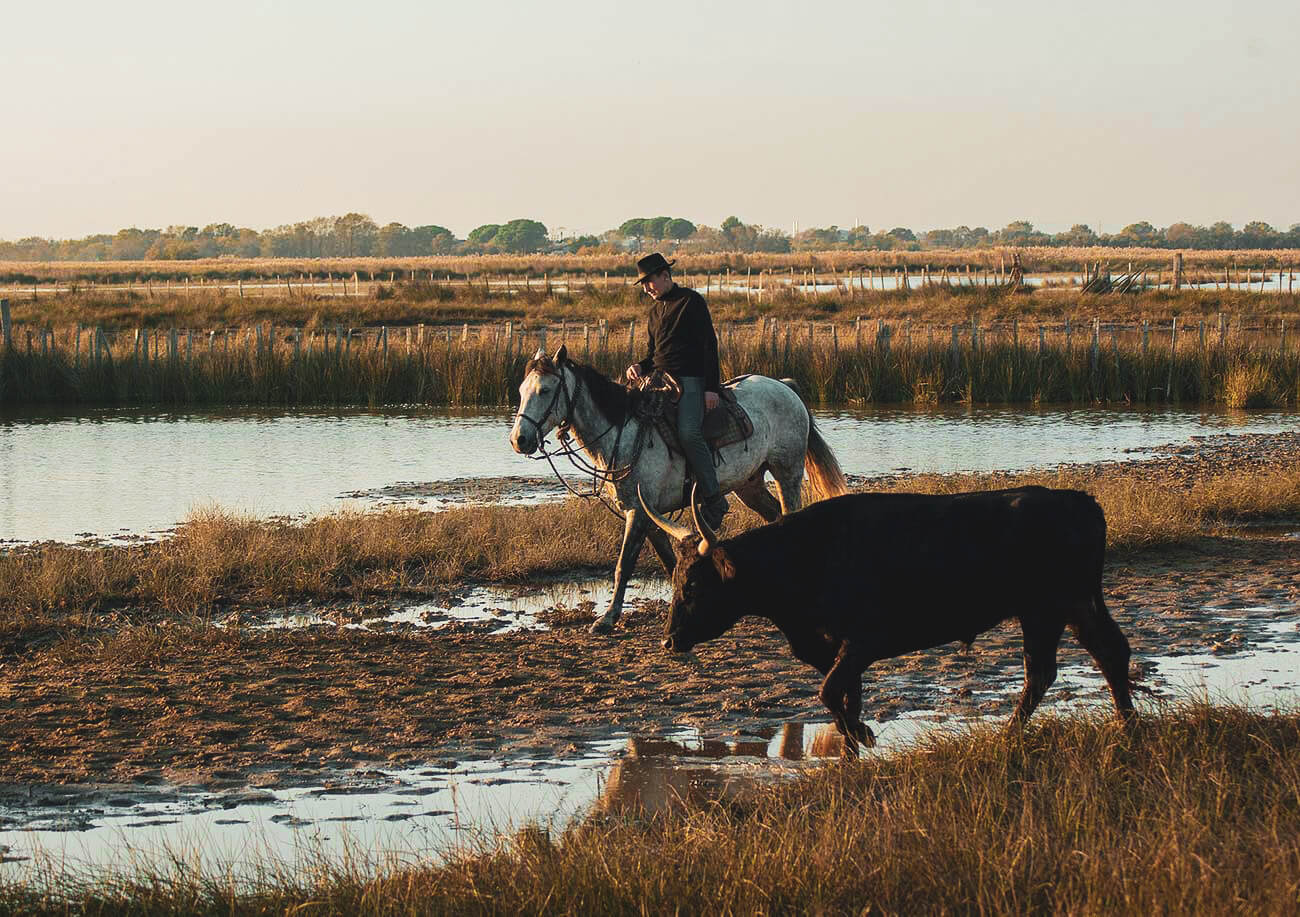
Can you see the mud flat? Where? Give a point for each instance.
(384, 702)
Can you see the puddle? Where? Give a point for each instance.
(392, 816)
(383, 817)
(494, 609)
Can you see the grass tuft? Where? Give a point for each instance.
(1192, 810)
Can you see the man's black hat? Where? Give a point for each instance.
(650, 265)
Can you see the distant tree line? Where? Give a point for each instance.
(357, 235)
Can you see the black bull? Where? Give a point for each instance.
(870, 576)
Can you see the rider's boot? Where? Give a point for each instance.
(713, 510)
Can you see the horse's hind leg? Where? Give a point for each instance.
(754, 494)
(1102, 638)
(634, 532)
(789, 485)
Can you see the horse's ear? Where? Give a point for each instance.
(540, 355)
(561, 354)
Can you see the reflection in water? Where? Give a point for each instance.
(659, 774)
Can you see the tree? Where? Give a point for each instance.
(1221, 235)
(633, 229)
(521, 236)
(1184, 235)
(657, 227)
(1080, 234)
(432, 239)
(1019, 232)
(394, 241)
(483, 235)
(1257, 234)
(356, 233)
(1142, 234)
(679, 229)
(131, 244)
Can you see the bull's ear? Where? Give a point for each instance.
(561, 354)
(722, 563)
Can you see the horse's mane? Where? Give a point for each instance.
(611, 399)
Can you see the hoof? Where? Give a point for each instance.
(601, 626)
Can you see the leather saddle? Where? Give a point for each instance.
(655, 400)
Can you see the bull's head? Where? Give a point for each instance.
(543, 400)
(703, 605)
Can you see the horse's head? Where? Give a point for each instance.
(544, 399)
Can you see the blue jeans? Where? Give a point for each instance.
(690, 417)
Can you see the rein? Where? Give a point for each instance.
(600, 477)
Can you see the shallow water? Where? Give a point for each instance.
(380, 817)
(122, 474)
(491, 609)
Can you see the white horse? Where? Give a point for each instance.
(557, 391)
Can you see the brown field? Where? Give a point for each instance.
(1035, 259)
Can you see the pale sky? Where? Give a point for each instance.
(582, 114)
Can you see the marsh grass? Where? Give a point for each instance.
(439, 303)
(890, 359)
(1192, 810)
(215, 560)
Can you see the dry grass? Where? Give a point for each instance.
(1191, 811)
(926, 347)
(596, 266)
(206, 308)
(217, 559)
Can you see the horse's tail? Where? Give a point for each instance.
(822, 470)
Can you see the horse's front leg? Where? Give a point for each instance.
(634, 532)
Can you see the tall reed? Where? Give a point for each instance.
(864, 362)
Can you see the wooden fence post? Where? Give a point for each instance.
(7, 325)
(1173, 353)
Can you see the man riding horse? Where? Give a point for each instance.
(684, 345)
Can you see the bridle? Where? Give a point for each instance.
(562, 388)
(569, 448)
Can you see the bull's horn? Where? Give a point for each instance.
(708, 537)
(675, 532)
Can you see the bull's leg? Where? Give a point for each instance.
(1042, 636)
(1102, 638)
(841, 692)
(754, 494)
(634, 532)
(853, 713)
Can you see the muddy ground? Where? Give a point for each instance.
(230, 706)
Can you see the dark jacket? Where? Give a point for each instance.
(682, 340)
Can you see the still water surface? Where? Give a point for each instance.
(123, 472)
